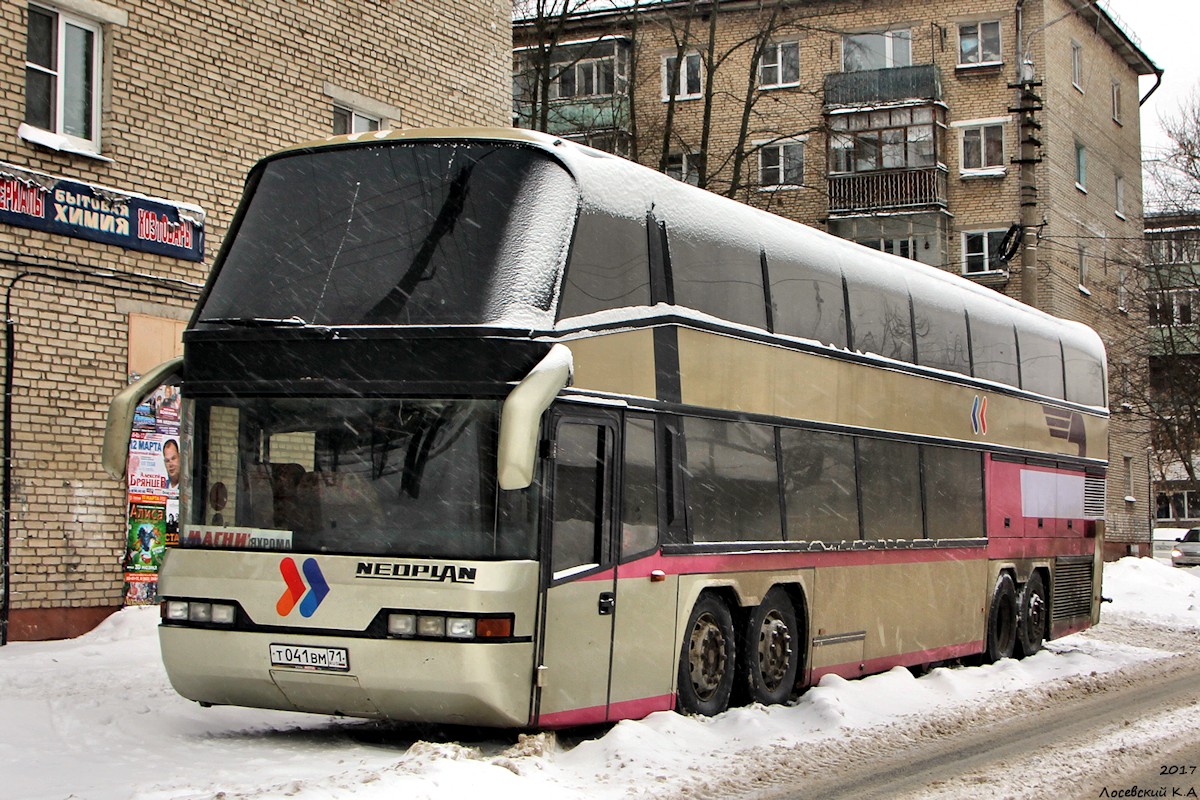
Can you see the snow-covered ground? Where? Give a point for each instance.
(95, 719)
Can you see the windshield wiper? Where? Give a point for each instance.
(258, 322)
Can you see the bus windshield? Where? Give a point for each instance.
(398, 234)
(356, 476)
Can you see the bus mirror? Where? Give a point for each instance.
(120, 415)
(522, 413)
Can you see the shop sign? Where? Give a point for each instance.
(43, 202)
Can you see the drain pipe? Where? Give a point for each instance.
(10, 350)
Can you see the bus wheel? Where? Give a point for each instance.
(1031, 625)
(772, 650)
(1002, 621)
(706, 665)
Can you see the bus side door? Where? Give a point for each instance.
(580, 601)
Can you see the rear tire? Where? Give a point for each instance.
(1031, 624)
(772, 649)
(707, 660)
(1002, 621)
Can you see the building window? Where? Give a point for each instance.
(62, 76)
(1077, 65)
(682, 167)
(1119, 196)
(898, 138)
(690, 77)
(1083, 266)
(1172, 307)
(864, 51)
(981, 251)
(779, 65)
(1080, 167)
(347, 120)
(979, 43)
(921, 237)
(1116, 102)
(615, 142)
(781, 164)
(982, 146)
(593, 77)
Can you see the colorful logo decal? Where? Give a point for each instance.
(310, 596)
(1067, 425)
(979, 415)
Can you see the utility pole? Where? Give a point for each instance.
(1028, 129)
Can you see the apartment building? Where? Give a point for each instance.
(131, 128)
(999, 139)
(1173, 294)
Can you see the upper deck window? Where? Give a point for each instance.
(399, 234)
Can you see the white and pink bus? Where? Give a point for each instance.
(486, 427)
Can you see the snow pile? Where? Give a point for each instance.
(1146, 590)
(94, 718)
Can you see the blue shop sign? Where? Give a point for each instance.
(42, 202)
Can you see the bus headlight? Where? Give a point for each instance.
(460, 628)
(414, 625)
(402, 624)
(199, 611)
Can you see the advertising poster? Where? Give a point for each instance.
(153, 476)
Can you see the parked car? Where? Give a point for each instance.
(1186, 552)
(1163, 541)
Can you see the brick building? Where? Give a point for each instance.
(131, 128)
(1173, 294)
(927, 129)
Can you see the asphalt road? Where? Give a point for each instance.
(1131, 733)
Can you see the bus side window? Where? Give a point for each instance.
(579, 496)
(1041, 364)
(639, 501)
(732, 481)
(609, 267)
(889, 475)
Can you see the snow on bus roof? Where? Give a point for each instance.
(623, 188)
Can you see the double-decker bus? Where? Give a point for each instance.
(482, 426)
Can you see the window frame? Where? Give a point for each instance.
(353, 115)
(778, 64)
(681, 89)
(583, 66)
(781, 147)
(1081, 166)
(846, 128)
(889, 47)
(1119, 196)
(61, 19)
(980, 61)
(687, 172)
(1116, 102)
(967, 253)
(983, 126)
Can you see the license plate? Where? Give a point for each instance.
(299, 656)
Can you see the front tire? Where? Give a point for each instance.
(1002, 621)
(1031, 623)
(772, 649)
(706, 663)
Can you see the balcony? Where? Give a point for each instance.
(579, 115)
(878, 86)
(889, 189)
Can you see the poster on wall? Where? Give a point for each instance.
(152, 478)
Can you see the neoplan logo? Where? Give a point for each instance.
(308, 596)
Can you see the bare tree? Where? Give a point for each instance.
(707, 80)
(1174, 178)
